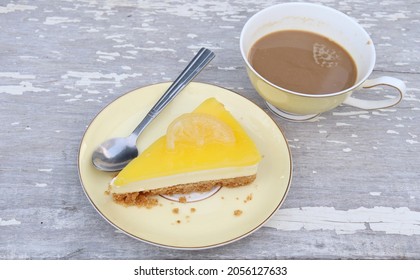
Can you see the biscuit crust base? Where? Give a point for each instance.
(147, 199)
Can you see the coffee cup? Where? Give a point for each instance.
(329, 23)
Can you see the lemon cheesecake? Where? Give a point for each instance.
(202, 149)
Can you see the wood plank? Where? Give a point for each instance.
(355, 190)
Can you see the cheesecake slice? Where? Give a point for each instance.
(202, 149)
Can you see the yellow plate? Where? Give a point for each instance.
(201, 224)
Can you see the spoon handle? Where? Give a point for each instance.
(200, 60)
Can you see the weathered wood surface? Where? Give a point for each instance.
(356, 185)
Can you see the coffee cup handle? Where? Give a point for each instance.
(379, 104)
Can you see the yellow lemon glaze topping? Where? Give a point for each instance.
(208, 138)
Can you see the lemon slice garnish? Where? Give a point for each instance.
(197, 129)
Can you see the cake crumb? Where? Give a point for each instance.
(182, 199)
(237, 213)
(248, 198)
(178, 221)
(136, 199)
(192, 210)
(175, 210)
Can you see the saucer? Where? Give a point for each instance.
(226, 215)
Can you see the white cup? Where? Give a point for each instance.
(331, 24)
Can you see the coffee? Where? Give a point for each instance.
(303, 62)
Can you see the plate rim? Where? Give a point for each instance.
(192, 248)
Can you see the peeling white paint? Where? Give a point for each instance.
(20, 89)
(124, 46)
(342, 124)
(231, 68)
(389, 131)
(107, 55)
(336, 142)
(390, 16)
(352, 113)
(15, 7)
(115, 36)
(156, 49)
(71, 100)
(375, 193)
(59, 20)
(207, 45)
(226, 27)
(90, 78)
(378, 114)
(45, 169)
(11, 222)
(16, 75)
(388, 220)
(388, 110)
(410, 141)
(91, 91)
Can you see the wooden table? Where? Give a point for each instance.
(355, 192)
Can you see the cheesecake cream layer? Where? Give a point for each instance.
(185, 178)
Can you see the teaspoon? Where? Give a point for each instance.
(114, 154)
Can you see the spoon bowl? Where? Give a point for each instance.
(114, 154)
